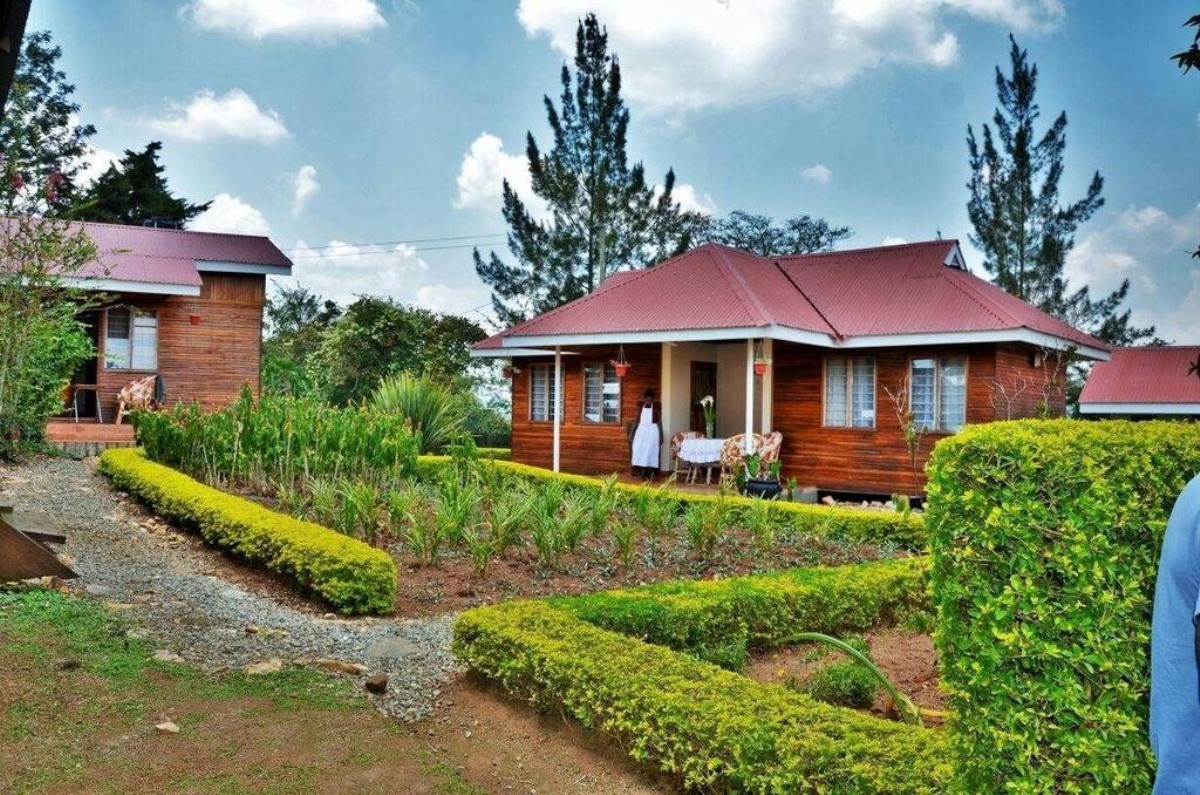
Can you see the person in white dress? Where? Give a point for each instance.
(647, 437)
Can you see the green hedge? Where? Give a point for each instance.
(714, 730)
(849, 524)
(350, 575)
(494, 453)
(1045, 540)
(717, 620)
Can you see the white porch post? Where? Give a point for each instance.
(749, 442)
(666, 397)
(768, 388)
(558, 402)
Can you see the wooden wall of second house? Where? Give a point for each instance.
(207, 363)
(585, 447)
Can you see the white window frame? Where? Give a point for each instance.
(546, 373)
(127, 363)
(939, 386)
(849, 363)
(605, 370)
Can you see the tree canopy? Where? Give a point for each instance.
(134, 192)
(801, 234)
(1020, 223)
(601, 215)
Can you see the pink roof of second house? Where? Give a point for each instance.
(157, 260)
(1143, 380)
(890, 295)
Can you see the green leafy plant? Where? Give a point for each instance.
(457, 502)
(478, 538)
(509, 512)
(324, 498)
(430, 408)
(544, 518)
(604, 508)
(704, 524)
(362, 510)
(759, 525)
(625, 534)
(578, 514)
(853, 685)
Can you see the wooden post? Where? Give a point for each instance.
(557, 403)
(748, 444)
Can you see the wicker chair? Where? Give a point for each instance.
(768, 451)
(676, 444)
(137, 394)
(733, 455)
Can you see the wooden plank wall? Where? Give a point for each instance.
(207, 363)
(1021, 388)
(585, 447)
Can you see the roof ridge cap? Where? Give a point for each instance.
(836, 331)
(734, 278)
(883, 247)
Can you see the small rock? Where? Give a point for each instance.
(167, 656)
(271, 666)
(390, 649)
(167, 727)
(376, 683)
(876, 504)
(252, 629)
(829, 500)
(340, 666)
(95, 589)
(68, 664)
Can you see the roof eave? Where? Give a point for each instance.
(127, 286)
(1139, 408)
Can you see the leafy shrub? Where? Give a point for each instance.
(712, 729)
(625, 539)
(1045, 537)
(764, 610)
(704, 522)
(347, 573)
(845, 683)
(431, 408)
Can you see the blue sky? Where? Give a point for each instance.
(333, 125)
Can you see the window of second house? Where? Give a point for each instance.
(850, 392)
(131, 340)
(601, 393)
(939, 393)
(541, 392)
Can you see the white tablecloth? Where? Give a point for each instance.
(701, 451)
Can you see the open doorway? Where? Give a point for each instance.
(84, 400)
(704, 382)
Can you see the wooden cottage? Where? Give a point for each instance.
(823, 348)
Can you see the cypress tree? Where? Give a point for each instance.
(602, 216)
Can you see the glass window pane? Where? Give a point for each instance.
(952, 386)
(592, 393)
(836, 377)
(612, 394)
(145, 342)
(864, 392)
(537, 392)
(117, 346)
(923, 399)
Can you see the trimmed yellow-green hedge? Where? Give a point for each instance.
(849, 524)
(717, 620)
(1045, 540)
(714, 730)
(352, 576)
(495, 453)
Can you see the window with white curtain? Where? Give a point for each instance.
(850, 392)
(938, 393)
(131, 340)
(601, 393)
(541, 392)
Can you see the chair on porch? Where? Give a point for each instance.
(733, 455)
(768, 450)
(143, 393)
(678, 464)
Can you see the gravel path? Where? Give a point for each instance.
(172, 587)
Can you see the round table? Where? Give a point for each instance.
(701, 453)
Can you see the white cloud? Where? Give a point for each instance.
(1151, 248)
(689, 199)
(341, 271)
(207, 116)
(894, 240)
(684, 55)
(308, 20)
(485, 166)
(94, 163)
(304, 187)
(231, 214)
(817, 175)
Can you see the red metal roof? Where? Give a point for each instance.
(1144, 375)
(884, 291)
(151, 255)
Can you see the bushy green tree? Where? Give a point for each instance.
(296, 322)
(759, 234)
(602, 215)
(134, 191)
(1019, 220)
(40, 135)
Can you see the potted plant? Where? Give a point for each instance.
(708, 405)
(195, 319)
(761, 481)
(509, 371)
(761, 365)
(621, 364)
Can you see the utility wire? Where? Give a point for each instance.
(399, 242)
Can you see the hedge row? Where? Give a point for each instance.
(352, 576)
(716, 620)
(1045, 540)
(849, 524)
(494, 453)
(714, 730)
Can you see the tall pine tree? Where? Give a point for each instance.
(134, 192)
(602, 216)
(1020, 224)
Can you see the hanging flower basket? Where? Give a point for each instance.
(195, 320)
(761, 365)
(621, 364)
(509, 371)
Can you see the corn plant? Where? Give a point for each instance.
(625, 538)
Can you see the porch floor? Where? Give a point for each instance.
(87, 437)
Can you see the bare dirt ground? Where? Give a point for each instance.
(908, 658)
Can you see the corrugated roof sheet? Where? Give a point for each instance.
(889, 290)
(1144, 375)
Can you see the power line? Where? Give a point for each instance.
(399, 242)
